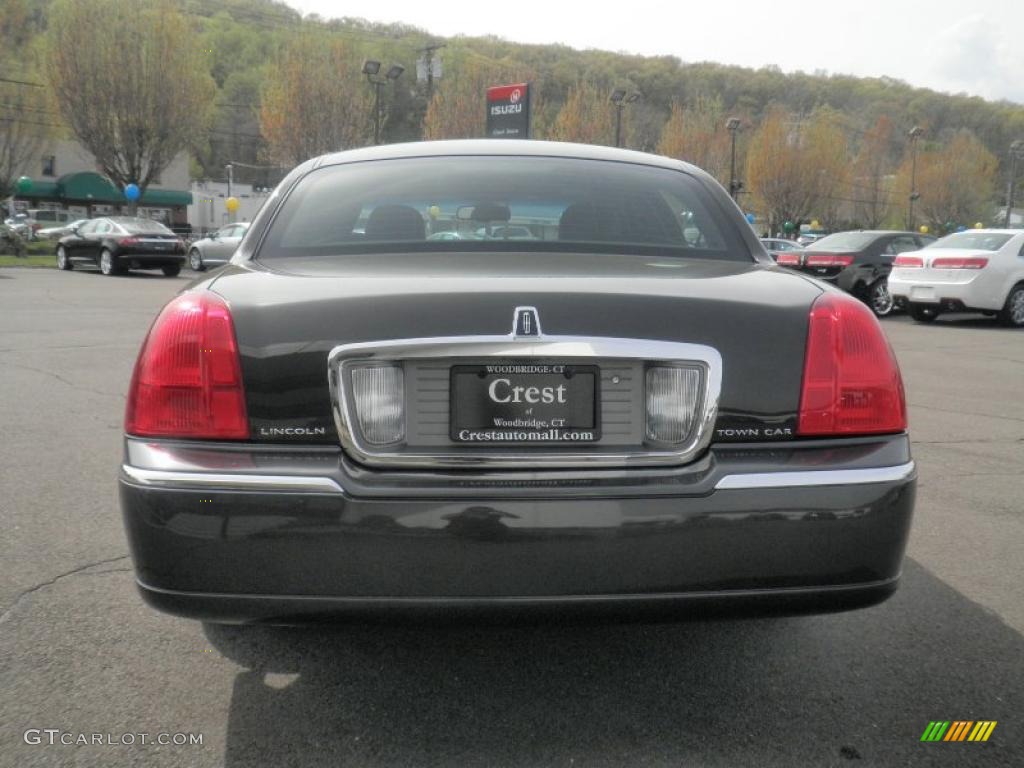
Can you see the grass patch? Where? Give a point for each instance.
(38, 260)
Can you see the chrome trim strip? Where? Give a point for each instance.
(230, 481)
(511, 346)
(817, 478)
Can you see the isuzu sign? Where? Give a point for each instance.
(508, 111)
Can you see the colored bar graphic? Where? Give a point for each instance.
(958, 730)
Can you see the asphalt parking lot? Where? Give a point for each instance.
(79, 651)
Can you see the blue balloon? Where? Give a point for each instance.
(131, 193)
(751, 218)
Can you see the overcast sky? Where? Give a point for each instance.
(974, 46)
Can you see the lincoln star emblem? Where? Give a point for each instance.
(526, 322)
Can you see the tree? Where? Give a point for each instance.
(776, 173)
(871, 174)
(25, 117)
(586, 117)
(824, 160)
(315, 99)
(956, 181)
(697, 134)
(130, 81)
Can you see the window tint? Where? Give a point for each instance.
(501, 203)
(902, 244)
(102, 227)
(138, 226)
(844, 241)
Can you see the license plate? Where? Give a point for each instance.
(529, 403)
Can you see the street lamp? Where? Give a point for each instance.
(1016, 153)
(913, 133)
(620, 98)
(735, 185)
(371, 69)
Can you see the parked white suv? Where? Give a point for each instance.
(980, 270)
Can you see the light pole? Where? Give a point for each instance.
(371, 68)
(735, 185)
(231, 180)
(913, 133)
(620, 98)
(1016, 153)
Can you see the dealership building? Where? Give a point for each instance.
(65, 177)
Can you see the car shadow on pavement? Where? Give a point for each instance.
(815, 690)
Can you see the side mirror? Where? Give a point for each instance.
(215, 235)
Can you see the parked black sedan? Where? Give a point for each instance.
(859, 262)
(118, 243)
(634, 409)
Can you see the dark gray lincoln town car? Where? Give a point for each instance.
(633, 407)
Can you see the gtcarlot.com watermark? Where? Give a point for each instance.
(57, 737)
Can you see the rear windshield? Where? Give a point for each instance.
(844, 241)
(976, 241)
(501, 204)
(142, 226)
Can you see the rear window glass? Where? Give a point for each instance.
(978, 241)
(142, 227)
(483, 203)
(843, 241)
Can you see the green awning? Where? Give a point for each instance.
(87, 187)
(166, 197)
(40, 189)
(90, 187)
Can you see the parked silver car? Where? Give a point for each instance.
(58, 231)
(216, 248)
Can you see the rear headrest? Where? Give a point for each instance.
(395, 222)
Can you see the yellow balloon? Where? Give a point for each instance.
(978, 225)
(815, 224)
(231, 204)
(435, 211)
(924, 229)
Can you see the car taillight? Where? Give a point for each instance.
(960, 262)
(829, 260)
(789, 259)
(852, 383)
(129, 241)
(188, 378)
(908, 262)
(379, 393)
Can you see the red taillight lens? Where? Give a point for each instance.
(829, 260)
(852, 383)
(188, 378)
(963, 262)
(908, 262)
(789, 259)
(129, 241)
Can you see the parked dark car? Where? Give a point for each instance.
(118, 243)
(860, 261)
(635, 410)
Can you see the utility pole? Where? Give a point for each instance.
(735, 185)
(428, 65)
(1016, 153)
(913, 133)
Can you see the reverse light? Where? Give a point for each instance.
(960, 262)
(379, 395)
(829, 260)
(673, 396)
(852, 383)
(188, 378)
(908, 262)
